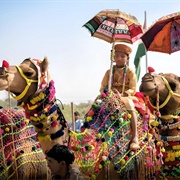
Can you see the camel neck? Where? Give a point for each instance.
(44, 113)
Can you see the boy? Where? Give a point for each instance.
(121, 58)
(78, 122)
(60, 160)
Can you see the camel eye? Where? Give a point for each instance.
(28, 74)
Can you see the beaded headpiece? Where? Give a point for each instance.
(42, 76)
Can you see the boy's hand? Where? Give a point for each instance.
(125, 94)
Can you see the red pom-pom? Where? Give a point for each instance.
(91, 113)
(150, 69)
(126, 158)
(54, 123)
(5, 64)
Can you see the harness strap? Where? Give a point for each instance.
(171, 93)
(28, 81)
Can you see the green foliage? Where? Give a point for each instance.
(82, 108)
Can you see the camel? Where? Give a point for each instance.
(20, 154)
(102, 149)
(163, 91)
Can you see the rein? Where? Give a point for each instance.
(171, 93)
(28, 82)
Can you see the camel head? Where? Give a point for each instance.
(24, 80)
(168, 87)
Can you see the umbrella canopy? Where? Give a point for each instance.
(164, 35)
(115, 26)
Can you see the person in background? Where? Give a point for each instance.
(78, 122)
(60, 160)
(124, 82)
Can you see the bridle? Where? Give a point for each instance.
(170, 94)
(28, 84)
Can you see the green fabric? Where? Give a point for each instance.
(141, 51)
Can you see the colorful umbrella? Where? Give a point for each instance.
(115, 26)
(164, 35)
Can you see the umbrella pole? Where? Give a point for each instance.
(111, 67)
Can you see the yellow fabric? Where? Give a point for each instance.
(117, 82)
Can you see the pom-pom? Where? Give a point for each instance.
(103, 139)
(54, 123)
(86, 125)
(129, 116)
(7, 129)
(109, 133)
(123, 161)
(89, 118)
(150, 69)
(112, 130)
(145, 127)
(149, 148)
(121, 119)
(103, 95)
(10, 159)
(34, 148)
(116, 167)
(83, 149)
(23, 123)
(38, 146)
(98, 101)
(87, 148)
(106, 90)
(125, 116)
(158, 114)
(99, 135)
(91, 113)
(126, 158)
(21, 151)
(5, 64)
(104, 158)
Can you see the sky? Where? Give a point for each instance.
(77, 61)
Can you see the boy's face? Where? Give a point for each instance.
(54, 165)
(120, 58)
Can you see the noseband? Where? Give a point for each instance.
(28, 82)
(170, 94)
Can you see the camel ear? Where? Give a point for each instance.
(179, 79)
(44, 65)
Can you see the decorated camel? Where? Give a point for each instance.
(20, 154)
(102, 149)
(163, 92)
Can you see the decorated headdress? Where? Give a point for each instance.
(42, 76)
